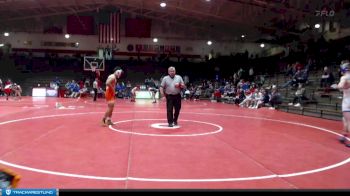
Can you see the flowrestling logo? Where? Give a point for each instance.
(326, 13)
(25, 192)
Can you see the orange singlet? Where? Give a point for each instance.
(110, 94)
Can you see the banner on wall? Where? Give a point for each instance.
(155, 48)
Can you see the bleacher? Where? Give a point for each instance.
(322, 102)
(44, 79)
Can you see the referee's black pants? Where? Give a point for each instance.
(173, 102)
(95, 94)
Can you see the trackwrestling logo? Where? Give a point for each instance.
(25, 192)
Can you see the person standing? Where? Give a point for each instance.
(18, 90)
(1, 87)
(110, 95)
(344, 85)
(95, 88)
(170, 88)
(8, 88)
(152, 88)
(133, 93)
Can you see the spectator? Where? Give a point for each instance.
(298, 66)
(128, 89)
(240, 96)
(275, 97)
(300, 76)
(299, 96)
(259, 99)
(327, 78)
(197, 93)
(17, 90)
(1, 88)
(290, 70)
(187, 94)
(133, 93)
(95, 88)
(251, 75)
(217, 95)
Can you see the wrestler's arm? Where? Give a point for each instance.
(344, 83)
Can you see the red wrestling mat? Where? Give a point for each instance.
(217, 146)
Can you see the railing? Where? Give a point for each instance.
(321, 113)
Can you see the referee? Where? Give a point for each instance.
(170, 88)
(95, 87)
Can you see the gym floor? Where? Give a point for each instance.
(216, 146)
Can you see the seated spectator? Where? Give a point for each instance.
(303, 77)
(290, 70)
(128, 89)
(300, 76)
(187, 94)
(240, 83)
(75, 90)
(299, 96)
(208, 89)
(197, 93)
(299, 66)
(240, 96)
(275, 97)
(327, 78)
(266, 97)
(57, 81)
(246, 85)
(260, 79)
(100, 92)
(230, 92)
(217, 95)
(259, 99)
(119, 88)
(84, 91)
(249, 99)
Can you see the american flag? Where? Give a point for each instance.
(110, 33)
